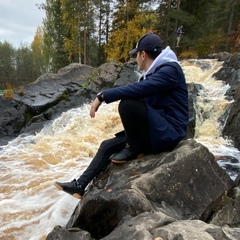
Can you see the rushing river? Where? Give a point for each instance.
(31, 206)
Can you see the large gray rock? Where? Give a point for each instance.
(61, 233)
(150, 197)
(158, 226)
(193, 91)
(35, 104)
(228, 214)
(231, 128)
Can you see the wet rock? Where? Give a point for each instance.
(60, 233)
(149, 226)
(128, 74)
(29, 109)
(229, 212)
(231, 128)
(221, 56)
(193, 91)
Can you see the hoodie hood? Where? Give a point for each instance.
(167, 55)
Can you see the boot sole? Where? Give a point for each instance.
(140, 155)
(76, 195)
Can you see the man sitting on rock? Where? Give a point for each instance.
(153, 111)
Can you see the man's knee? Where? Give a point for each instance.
(105, 144)
(128, 104)
(123, 104)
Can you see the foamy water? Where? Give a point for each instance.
(31, 206)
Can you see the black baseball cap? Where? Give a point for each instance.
(149, 42)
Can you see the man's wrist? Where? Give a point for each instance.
(100, 97)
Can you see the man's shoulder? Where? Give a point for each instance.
(170, 67)
(171, 64)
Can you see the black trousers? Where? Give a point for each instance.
(134, 117)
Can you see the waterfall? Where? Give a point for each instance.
(210, 108)
(31, 206)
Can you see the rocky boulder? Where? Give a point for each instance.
(231, 128)
(167, 195)
(33, 105)
(230, 73)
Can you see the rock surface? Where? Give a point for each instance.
(35, 104)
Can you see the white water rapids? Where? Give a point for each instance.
(30, 206)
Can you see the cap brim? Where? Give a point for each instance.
(134, 51)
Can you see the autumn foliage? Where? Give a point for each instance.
(93, 32)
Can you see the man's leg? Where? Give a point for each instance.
(134, 116)
(99, 162)
(102, 158)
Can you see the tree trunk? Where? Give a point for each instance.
(85, 34)
(167, 25)
(230, 25)
(176, 23)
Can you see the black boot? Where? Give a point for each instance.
(128, 153)
(73, 188)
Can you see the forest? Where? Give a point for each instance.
(96, 31)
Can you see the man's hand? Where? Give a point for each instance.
(94, 107)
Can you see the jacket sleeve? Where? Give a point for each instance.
(163, 79)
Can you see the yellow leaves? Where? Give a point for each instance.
(123, 40)
(38, 39)
(8, 94)
(70, 48)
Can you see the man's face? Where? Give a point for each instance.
(140, 60)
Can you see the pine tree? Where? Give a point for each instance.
(54, 35)
(6, 64)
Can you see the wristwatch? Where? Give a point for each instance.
(100, 97)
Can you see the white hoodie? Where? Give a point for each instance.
(167, 55)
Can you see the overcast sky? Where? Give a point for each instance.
(19, 20)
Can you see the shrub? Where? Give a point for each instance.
(8, 94)
(188, 54)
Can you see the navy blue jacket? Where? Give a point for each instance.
(165, 94)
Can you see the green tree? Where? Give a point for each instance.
(205, 23)
(7, 63)
(229, 22)
(23, 66)
(88, 31)
(69, 29)
(126, 10)
(72, 23)
(103, 14)
(215, 27)
(54, 35)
